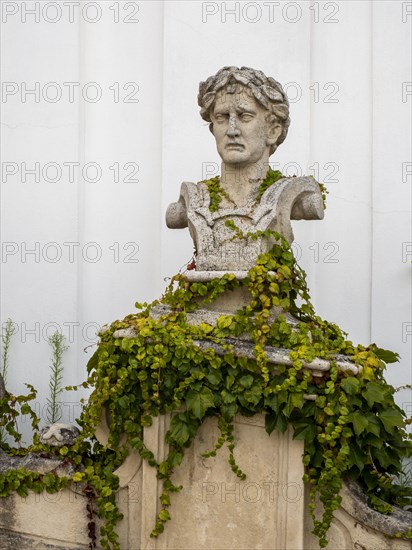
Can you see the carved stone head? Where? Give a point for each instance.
(59, 434)
(247, 85)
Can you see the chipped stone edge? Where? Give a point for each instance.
(275, 356)
(33, 462)
(279, 356)
(355, 503)
(204, 276)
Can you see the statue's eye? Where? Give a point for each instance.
(220, 117)
(246, 117)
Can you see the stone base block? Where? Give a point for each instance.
(43, 521)
(216, 509)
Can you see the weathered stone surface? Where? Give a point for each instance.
(215, 509)
(355, 503)
(268, 510)
(243, 347)
(357, 526)
(215, 246)
(59, 434)
(56, 521)
(229, 303)
(14, 541)
(43, 521)
(278, 356)
(249, 118)
(34, 462)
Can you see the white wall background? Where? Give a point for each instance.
(98, 246)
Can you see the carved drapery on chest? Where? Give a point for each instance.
(217, 247)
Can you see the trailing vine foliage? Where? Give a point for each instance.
(216, 191)
(11, 408)
(271, 177)
(353, 429)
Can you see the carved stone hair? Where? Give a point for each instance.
(267, 91)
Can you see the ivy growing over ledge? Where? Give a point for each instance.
(216, 191)
(352, 429)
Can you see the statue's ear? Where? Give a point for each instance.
(274, 131)
(211, 127)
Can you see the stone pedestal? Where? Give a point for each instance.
(39, 521)
(216, 509)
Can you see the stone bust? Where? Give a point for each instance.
(249, 117)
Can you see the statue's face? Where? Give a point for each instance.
(243, 136)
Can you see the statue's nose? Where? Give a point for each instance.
(232, 129)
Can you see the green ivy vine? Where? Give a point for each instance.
(272, 177)
(216, 191)
(353, 429)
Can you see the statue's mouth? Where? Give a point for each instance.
(236, 146)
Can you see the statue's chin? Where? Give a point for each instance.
(241, 158)
(236, 158)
